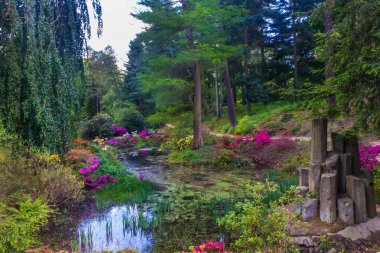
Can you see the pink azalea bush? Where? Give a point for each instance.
(369, 156)
(119, 131)
(208, 247)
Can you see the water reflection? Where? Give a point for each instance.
(119, 228)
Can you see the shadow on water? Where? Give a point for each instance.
(119, 228)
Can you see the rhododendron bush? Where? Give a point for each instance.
(261, 148)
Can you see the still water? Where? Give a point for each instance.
(119, 228)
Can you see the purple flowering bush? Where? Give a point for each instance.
(369, 156)
(92, 181)
(119, 131)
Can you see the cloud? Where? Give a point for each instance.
(119, 27)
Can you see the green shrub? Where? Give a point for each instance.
(98, 126)
(19, 226)
(185, 157)
(256, 226)
(294, 162)
(130, 118)
(377, 182)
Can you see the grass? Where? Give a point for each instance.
(128, 189)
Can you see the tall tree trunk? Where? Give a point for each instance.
(245, 63)
(230, 99)
(295, 52)
(221, 94)
(329, 48)
(217, 103)
(197, 135)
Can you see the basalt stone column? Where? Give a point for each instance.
(327, 197)
(345, 169)
(315, 178)
(352, 147)
(304, 177)
(333, 164)
(370, 197)
(318, 141)
(337, 143)
(356, 190)
(346, 211)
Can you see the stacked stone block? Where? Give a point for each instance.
(337, 186)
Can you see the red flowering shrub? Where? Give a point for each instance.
(369, 156)
(208, 247)
(77, 156)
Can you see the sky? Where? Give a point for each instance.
(119, 27)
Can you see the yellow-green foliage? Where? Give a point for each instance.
(19, 225)
(178, 143)
(37, 174)
(377, 183)
(256, 226)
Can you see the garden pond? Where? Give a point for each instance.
(182, 211)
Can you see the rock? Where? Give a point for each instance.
(333, 162)
(346, 211)
(309, 209)
(318, 141)
(328, 198)
(345, 169)
(302, 190)
(333, 250)
(314, 178)
(304, 177)
(356, 190)
(306, 241)
(363, 231)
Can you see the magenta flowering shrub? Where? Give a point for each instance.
(143, 152)
(369, 156)
(208, 247)
(141, 176)
(96, 184)
(144, 133)
(119, 131)
(262, 138)
(90, 183)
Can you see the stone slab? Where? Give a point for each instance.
(356, 190)
(328, 198)
(346, 211)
